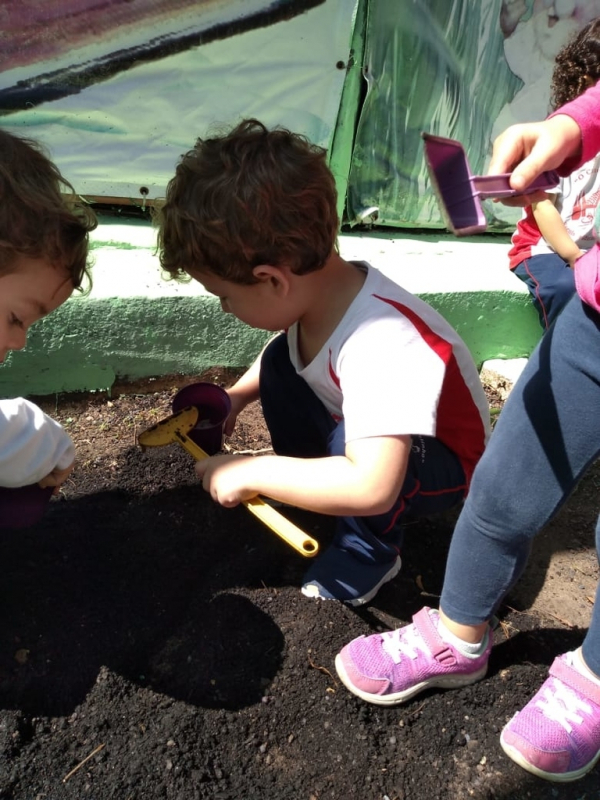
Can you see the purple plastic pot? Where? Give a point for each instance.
(23, 506)
(213, 405)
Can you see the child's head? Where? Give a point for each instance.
(250, 197)
(43, 238)
(577, 65)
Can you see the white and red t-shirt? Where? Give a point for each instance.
(577, 197)
(394, 366)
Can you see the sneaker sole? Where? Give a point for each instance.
(439, 682)
(556, 777)
(358, 601)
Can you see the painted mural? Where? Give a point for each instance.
(118, 89)
(464, 69)
(50, 50)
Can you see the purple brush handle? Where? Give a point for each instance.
(486, 186)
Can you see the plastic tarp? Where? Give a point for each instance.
(464, 69)
(119, 89)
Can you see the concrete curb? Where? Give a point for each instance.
(134, 324)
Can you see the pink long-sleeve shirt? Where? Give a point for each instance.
(585, 110)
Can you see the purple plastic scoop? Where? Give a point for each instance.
(460, 193)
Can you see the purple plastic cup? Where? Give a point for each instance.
(23, 506)
(213, 405)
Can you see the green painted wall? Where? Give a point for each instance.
(134, 324)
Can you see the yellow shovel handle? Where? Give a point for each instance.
(283, 527)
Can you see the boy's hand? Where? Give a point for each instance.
(223, 477)
(57, 477)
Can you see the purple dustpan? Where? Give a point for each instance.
(460, 193)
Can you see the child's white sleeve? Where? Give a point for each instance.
(32, 444)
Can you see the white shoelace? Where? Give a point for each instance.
(403, 641)
(562, 705)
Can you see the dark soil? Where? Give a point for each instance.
(155, 645)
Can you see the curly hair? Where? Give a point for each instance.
(577, 65)
(249, 197)
(40, 214)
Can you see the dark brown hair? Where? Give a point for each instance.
(40, 215)
(249, 197)
(577, 65)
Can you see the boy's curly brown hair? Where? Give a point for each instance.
(577, 65)
(40, 214)
(249, 197)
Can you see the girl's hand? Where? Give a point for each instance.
(56, 478)
(574, 258)
(528, 149)
(224, 478)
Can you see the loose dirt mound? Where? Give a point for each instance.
(154, 645)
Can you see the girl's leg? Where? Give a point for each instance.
(591, 644)
(551, 284)
(546, 437)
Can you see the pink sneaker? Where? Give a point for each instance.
(390, 668)
(557, 735)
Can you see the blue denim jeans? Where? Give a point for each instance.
(551, 284)
(301, 426)
(547, 436)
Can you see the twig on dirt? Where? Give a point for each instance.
(560, 619)
(321, 669)
(419, 582)
(542, 614)
(506, 628)
(248, 452)
(416, 711)
(583, 572)
(590, 599)
(81, 763)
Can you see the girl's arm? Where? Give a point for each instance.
(565, 141)
(34, 448)
(553, 229)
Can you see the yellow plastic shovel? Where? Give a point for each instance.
(176, 428)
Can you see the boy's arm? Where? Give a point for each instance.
(246, 390)
(33, 446)
(243, 392)
(365, 481)
(553, 229)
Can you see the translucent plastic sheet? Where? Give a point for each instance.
(118, 102)
(434, 65)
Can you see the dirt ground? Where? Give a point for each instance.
(154, 645)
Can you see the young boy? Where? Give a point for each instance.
(43, 257)
(373, 403)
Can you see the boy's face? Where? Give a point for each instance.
(30, 289)
(258, 304)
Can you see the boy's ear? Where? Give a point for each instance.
(278, 277)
